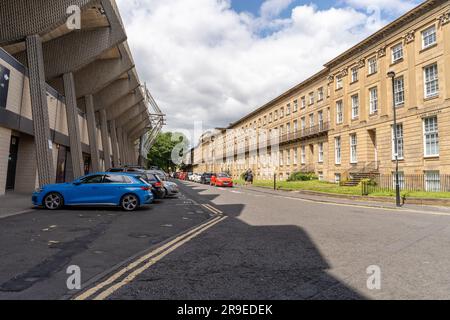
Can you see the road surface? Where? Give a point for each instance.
(216, 243)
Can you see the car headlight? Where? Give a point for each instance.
(39, 190)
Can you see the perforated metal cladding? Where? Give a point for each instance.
(20, 18)
(77, 49)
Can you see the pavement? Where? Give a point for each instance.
(14, 204)
(239, 243)
(328, 198)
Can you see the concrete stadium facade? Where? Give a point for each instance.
(71, 101)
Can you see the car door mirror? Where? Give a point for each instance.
(77, 183)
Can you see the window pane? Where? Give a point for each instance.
(113, 179)
(92, 179)
(431, 137)
(429, 37)
(431, 81)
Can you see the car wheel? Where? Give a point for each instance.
(129, 202)
(53, 201)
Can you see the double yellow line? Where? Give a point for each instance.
(127, 274)
(212, 209)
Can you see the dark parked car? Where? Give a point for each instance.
(170, 187)
(206, 178)
(157, 185)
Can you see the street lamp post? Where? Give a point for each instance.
(391, 75)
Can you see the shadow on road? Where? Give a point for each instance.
(239, 261)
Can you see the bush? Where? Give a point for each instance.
(369, 182)
(302, 176)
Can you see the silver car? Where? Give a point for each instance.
(171, 188)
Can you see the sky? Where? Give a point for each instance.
(214, 61)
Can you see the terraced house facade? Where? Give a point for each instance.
(339, 122)
(70, 98)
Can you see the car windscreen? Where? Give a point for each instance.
(152, 178)
(159, 174)
(223, 175)
(161, 177)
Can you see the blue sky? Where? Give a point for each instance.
(253, 6)
(202, 56)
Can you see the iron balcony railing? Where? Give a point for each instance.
(302, 134)
(306, 133)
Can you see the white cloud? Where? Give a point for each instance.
(203, 61)
(393, 7)
(272, 8)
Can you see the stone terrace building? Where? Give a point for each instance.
(339, 122)
(70, 99)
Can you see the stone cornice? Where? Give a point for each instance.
(388, 30)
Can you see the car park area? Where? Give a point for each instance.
(42, 243)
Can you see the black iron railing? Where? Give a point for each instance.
(408, 183)
(305, 133)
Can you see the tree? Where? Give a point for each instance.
(164, 151)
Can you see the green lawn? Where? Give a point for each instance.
(308, 185)
(332, 188)
(414, 194)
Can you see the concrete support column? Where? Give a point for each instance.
(126, 142)
(115, 143)
(92, 131)
(126, 146)
(39, 109)
(73, 125)
(121, 144)
(105, 139)
(132, 152)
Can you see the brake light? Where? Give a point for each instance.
(158, 184)
(145, 188)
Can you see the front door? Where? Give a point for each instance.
(88, 191)
(12, 163)
(373, 140)
(87, 163)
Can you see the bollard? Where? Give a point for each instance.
(275, 182)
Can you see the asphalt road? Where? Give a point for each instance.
(36, 248)
(257, 245)
(280, 247)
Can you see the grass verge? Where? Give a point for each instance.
(331, 188)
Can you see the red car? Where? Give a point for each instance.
(221, 180)
(182, 176)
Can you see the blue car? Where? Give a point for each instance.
(100, 189)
